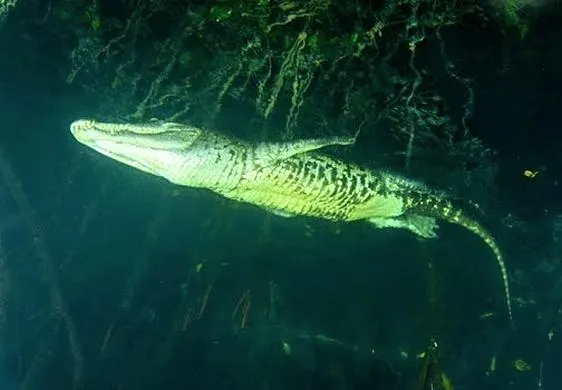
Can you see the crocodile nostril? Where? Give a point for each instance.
(82, 124)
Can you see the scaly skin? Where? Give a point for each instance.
(288, 178)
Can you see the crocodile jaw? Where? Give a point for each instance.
(155, 148)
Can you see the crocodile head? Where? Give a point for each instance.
(155, 147)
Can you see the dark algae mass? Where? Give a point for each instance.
(273, 195)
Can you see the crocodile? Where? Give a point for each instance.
(292, 178)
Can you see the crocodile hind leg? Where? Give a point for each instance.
(422, 226)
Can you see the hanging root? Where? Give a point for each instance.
(57, 301)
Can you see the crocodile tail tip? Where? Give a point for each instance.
(475, 227)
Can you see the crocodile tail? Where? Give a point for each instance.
(442, 208)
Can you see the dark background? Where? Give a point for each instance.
(115, 279)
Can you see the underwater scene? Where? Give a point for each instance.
(276, 194)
